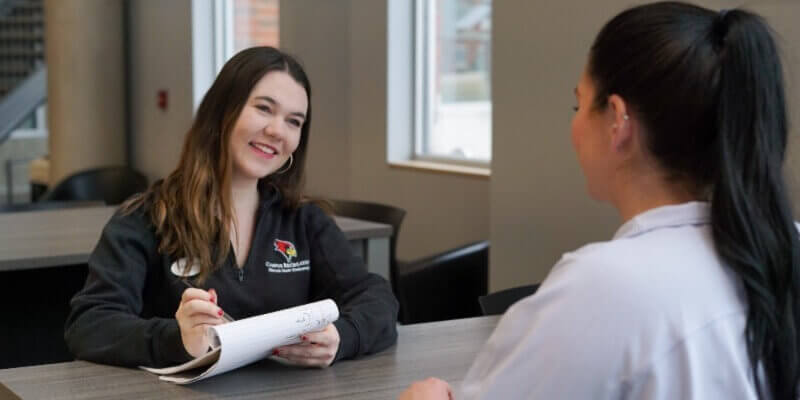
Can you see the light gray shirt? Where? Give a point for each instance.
(651, 314)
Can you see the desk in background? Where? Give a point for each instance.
(53, 238)
(444, 349)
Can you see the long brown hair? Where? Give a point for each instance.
(191, 208)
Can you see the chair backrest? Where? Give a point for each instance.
(375, 212)
(444, 286)
(498, 302)
(111, 185)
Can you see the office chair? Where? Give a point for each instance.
(444, 286)
(375, 212)
(498, 302)
(32, 331)
(439, 287)
(111, 185)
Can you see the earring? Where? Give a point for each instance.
(291, 160)
(624, 117)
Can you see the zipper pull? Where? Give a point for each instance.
(241, 274)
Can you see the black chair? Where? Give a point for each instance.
(48, 205)
(444, 286)
(497, 303)
(37, 302)
(375, 212)
(422, 287)
(111, 185)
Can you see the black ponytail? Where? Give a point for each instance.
(752, 222)
(708, 87)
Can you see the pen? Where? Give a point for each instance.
(225, 316)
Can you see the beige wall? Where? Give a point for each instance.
(85, 90)
(319, 38)
(161, 59)
(343, 45)
(539, 208)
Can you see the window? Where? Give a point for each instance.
(222, 28)
(240, 24)
(453, 108)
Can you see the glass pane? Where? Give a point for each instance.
(459, 115)
(255, 23)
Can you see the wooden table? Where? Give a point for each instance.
(443, 349)
(41, 239)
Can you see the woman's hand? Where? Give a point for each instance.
(431, 388)
(318, 349)
(198, 311)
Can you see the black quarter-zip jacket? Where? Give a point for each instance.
(125, 313)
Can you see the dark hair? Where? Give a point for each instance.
(708, 89)
(191, 208)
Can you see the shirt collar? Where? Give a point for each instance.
(691, 213)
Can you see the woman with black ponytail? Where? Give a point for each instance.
(681, 125)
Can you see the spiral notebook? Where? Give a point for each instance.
(238, 343)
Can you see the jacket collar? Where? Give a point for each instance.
(691, 213)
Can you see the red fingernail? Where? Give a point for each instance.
(219, 313)
(213, 299)
(275, 352)
(304, 338)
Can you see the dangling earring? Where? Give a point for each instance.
(291, 160)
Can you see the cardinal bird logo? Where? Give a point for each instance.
(286, 248)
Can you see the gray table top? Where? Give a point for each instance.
(40, 239)
(442, 349)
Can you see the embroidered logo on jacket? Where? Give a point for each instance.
(288, 251)
(286, 248)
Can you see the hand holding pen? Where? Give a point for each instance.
(213, 293)
(197, 312)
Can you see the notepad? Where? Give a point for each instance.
(236, 344)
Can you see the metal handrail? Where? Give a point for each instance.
(20, 102)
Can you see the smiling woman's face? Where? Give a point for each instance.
(268, 129)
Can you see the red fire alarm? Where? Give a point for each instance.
(162, 99)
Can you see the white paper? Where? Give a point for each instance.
(248, 340)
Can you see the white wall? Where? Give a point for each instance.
(539, 208)
(161, 59)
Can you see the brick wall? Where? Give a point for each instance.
(255, 23)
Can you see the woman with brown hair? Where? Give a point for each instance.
(230, 218)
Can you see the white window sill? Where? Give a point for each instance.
(430, 166)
